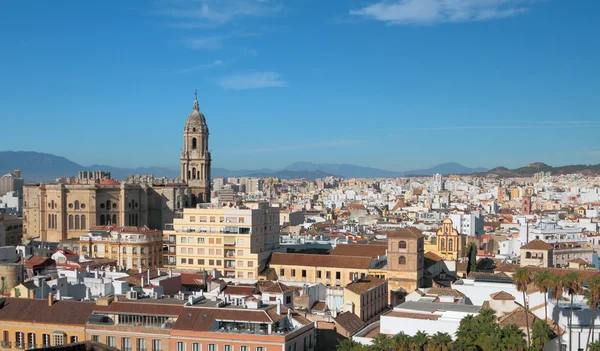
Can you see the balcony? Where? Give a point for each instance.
(6, 344)
(19, 345)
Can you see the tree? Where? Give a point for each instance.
(543, 282)
(592, 297)
(439, 342)
(381, 342)
(350, 345)
(400, 341)
(521, 279)
(541, 335)
(557, 286)
(512, 339)
(574, 286)
(472, 250)
(418, 341)
(595, 346)
(466, 334)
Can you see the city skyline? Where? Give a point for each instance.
(374, 84)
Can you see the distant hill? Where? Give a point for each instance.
(285, 174)
(446, 168)
(536, 167)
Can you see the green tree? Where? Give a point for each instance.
(592, 297)
(381, 342)
(541, 335)
(472, 250)
(542, 281)
(557, 286)
(595, 346)
(400, 341)
(521, 279)
(418, 341)
(573, 284)
(439, 342)
(350, 345)
(512, 339)
(466, 334)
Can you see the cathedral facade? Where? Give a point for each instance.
(68, 207)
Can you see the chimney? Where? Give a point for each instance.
(50, 299)
(148, 275)
(279, 307)
(58, 295)
(140, 270)
(96, 273)
(88, 294)
(170, 273)
(142, 283)
(32, 294)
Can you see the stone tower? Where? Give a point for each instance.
(195, 158)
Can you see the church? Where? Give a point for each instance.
(68, 207)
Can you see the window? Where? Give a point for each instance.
(250, 264)
(183, 260)
(73, 339)
(281, 272)
(293, 273)
(70, 222)
(126, 344)
(443, 244)
(221, 220)
(192, 218)
(83, 221)
(338, 275)
(141, 344)
(211, 251)
(110, 341)
(183, 240)
(218, 262)
(401, 260)
(260, 348)
(30, 340)
(5, 336)
(240, 242)
(58, 339)
(201, 240)
(212, 219)
(19, 340)
(450, 245)
(156, 345)
(201, 261)
(180, 346)
(528, 254)
(196, 347)
(318, 274)
(200, 251)
(240, 252)
(244, 348)
(95, 338)
(304, 273)
(212, 347)
(183, 250)
(328, 275)
(211, 262)
(227, 348)
(402, 245)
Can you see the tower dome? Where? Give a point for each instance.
(195, 120)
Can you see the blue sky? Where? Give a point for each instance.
(398, 84)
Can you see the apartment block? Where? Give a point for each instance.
(234, 239)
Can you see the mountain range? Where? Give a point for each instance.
(36, 167)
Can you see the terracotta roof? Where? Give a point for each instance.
(579, 261)
(445, 292)
(517, 317)
(294, 259)
(192, 279)
(537, 245)
(350, 322)
(239, 290)
(38, 261)
(485, 304)
(433, 256)
(135, 278)
(108, 182)
(273, 287)
(506, 267)
(38, 311)
(359, 250)
(319, 306)
(585, 273)
(502, 295)
(301, 301)
(409, 232)
(431, 317)
(365, 284)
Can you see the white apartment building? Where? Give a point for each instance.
(470, 224)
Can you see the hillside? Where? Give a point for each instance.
(532, 168)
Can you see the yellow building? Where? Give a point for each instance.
(131, 247)
(366, 297)
(451, 245)
(234, 239)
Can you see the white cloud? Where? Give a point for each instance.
(205, 43)
(217, 11)
(253, 80)
(428, 12)
(203, 66)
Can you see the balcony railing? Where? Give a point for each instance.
(7, 344)
(19, 345)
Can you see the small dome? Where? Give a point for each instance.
(195, 119)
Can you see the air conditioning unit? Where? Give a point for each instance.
(132, 295)
(155, 295)
(181, 296)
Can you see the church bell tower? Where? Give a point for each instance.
(195, 158)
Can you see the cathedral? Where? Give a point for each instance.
(69, 207)
(195, 158)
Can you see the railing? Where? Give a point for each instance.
(6, 344)
(19, 345)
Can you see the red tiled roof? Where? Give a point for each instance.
(38, 311)
(38, 261)
(294, 259)
(409, 232)
(502, 295)
(537, 245)
(359, 250)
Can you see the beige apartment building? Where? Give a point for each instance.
(131, 247)
(234, 239)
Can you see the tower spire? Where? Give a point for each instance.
(196, 106)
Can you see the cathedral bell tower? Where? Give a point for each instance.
(195, 158)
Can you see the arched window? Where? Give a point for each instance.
(194, 173)
(84, 248)
(76, 222)
(450, 244)
(102, 220)
(194, 143)
(114, 219)
(95, 248)
(124, 250)
(443, 244)
(528, 254)
(70, 222)
(108, 204)
(83, 223)
(401, 260)
(76, 204)
(114, 249)
(402, 245)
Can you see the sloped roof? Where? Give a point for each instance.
(517, 317)
(502, 295)
(359, 250)
(365, 284)
(441, 291)
(273, 287)
(350, 322)
(409, 232)
(38, 311)
(537, 245)
(295, 259)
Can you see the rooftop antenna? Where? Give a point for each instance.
(196, 94)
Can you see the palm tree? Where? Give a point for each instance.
(512, 339)
(574, 286)
(440, 342)
(595, 346)
(418, 341)
(557, 287)
(521, 279)
(542, 282)
(466, 335)
(592, 296)
(381, 342)
(400, 341)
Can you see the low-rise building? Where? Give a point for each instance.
(537, 253)
(366, 297)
